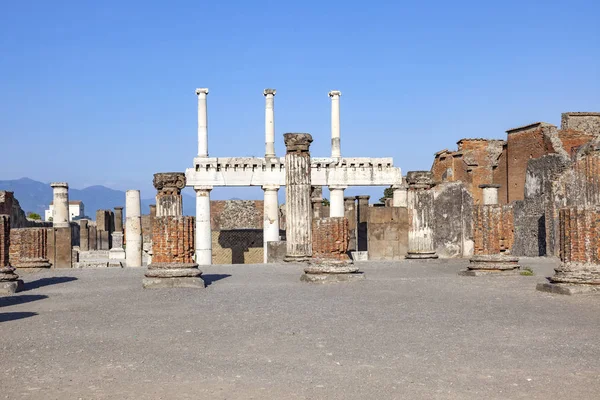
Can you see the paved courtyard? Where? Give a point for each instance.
(411, 330)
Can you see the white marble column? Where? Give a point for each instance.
(202, 123)
(400, 196)
(336, 201)
(271, 216)
(133, 229)
(203, 231)
(336, 151)
(60, 204)
(269, 122)
(490, 194)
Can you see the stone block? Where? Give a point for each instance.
(276, 251)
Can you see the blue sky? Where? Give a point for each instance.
(103, 92)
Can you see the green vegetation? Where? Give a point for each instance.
(526, 271)
(34, 216)
(388, 193)
(325, 202)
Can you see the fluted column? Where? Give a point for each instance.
(203, 231)
(202, 122)
(133, 228)
(297, 197)
(269, 122)
(169, 202)
(271, 216)
(420, 204)
(336, 151)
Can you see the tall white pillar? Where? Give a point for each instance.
(336, 201)
(203, 232)
(60, 204)
(269, 122)
(336, 151)
(133, 229)
(202, 123)
(271, 217)
(490, 194)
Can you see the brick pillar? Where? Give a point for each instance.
(173, 254)
(579, 270)
(362, 223)
(330, 261)
(297, 197)
(492, 236)
(420, 215)
(84, 235)
(29, 248)
(9, 280)
(350, 214)
(118, 216)
(92, 236)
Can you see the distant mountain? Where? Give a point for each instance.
(36, 196)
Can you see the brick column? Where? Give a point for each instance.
(173, 254)
(297, 197)
(9, 280)
(579, 269)
(330, 261)
(84, 235)
(420, 212)
(350, 215)
(29, 248)
(492, 224)
(93, 236)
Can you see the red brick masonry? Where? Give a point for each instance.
(173, 240)
(330, 238)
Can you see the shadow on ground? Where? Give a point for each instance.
(11, 316)
(47, 282)
(14, 300)
(210, 278)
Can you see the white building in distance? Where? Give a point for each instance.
(76, 210)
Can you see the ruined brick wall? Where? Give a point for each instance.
(579, 233)
(330, 238)
(237, 231)
(28, 244)
(581, 121)
(173, 239)
(387, 233)
(147, 228)
(525, 143)
(452, 220)
(572, 139)
(491, 229)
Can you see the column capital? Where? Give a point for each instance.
(335, 93)
(203, 188)
(119, 208)
(337, 187)
(271, 187)
(200, 91)
(60, 185)
(269, 91)
(297, 142)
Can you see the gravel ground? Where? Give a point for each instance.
(411, 330)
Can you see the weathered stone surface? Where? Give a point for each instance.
(493, 262)
(558, 288)
(452, 220)
(10, 287)
(166, 283)
(168, 198)
(276, 251)
(172, 265)
(332, 278)
(330, 268)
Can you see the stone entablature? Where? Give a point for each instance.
(325, 171)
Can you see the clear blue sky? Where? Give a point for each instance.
(102, 92)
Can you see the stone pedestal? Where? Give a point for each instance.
(420, 215)
(579, 270)
(117, 252)
(297, 197)
(173, 255)
(168, 197)
(490, 228)
(330, 261)
(9, 280)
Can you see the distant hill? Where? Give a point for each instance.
(36, 196)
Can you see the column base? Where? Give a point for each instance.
(173, 275)
(421, 255)
(10, 287)
(566, 289)
(36, 263)
(296, 259)
(331, 271)
(116, 254)
(494, 262)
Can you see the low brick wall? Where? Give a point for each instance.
(173, 240)
(330, 238)
(493, 229)
(27, 244)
